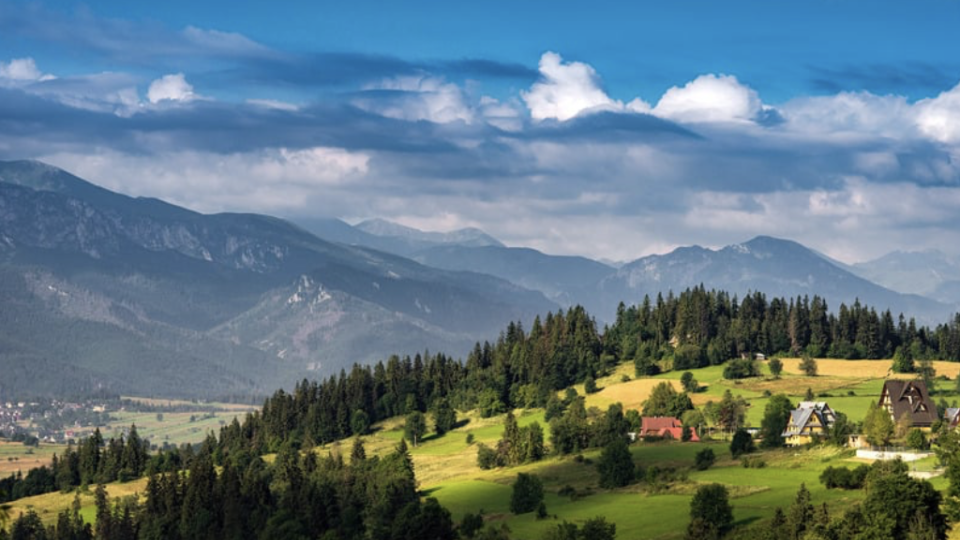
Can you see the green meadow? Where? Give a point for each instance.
(446, 466)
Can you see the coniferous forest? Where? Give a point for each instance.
(225, 489)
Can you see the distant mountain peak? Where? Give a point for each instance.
(469, 236)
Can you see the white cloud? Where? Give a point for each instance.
(710, 98)
(22, 70)
(417, 98)
(268, 181)
(173, 87)
(850, 115)
(939, 117)
(566, 90)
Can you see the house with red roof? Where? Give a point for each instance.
(667, 427)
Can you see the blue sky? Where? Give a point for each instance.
(607, 130)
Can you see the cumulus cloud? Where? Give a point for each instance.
(22, 70)
(173, 87)
(710, 98)
(939, 117)
(844, 173)
(566, 89)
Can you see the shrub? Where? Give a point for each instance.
(844, 478)
(742, 443)
(487, 457)
(752, 463)
(740, 368)
(916, 439)
(527, 494)
(616, 465)
(471, 524)
(704, 459)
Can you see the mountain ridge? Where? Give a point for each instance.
(180, 277)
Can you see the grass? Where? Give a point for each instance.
(15, 456)
(49, 505)
(446, 465)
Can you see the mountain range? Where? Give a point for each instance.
(122, 290)
(134, 295)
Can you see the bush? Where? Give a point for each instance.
(487, 457)
(742, 443)
(740, 369)
(616, 465)
(776, 367)
(688, 356)
(844, 478)
(527, 494)
(809, 366)
(752, 463)
(916, 439)
(471, 524)
(704, 459)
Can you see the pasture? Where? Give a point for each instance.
(655, 508)
(15, 456)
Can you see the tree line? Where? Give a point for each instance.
(700, 327)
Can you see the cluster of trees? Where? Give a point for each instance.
(300, 496)
(701, 327)
(519, 370)
(575, 430)
(895, 506)
(844, 478)
(517, 445)
(93, 462)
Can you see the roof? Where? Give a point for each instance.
(657, 423)
(800, 417)
(677, 433)
(910, 398)
(952, 416)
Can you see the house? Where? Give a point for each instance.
(667, 427)
(908, 399)
(952, 417)
(811, 419)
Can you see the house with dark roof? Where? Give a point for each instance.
(667, 427)
(809, 421)
(908, 399)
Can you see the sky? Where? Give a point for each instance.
(599, 129)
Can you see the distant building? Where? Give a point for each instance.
(908, 399)
(667, 427)
(809, 421)
(952, 417)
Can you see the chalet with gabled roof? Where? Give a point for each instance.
(810, 420)
(908, 399)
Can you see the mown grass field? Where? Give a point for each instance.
(15, 456)
(446, 466)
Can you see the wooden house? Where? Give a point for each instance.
(809, 421)
(908, 399)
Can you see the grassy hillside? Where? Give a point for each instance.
(446, 466)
